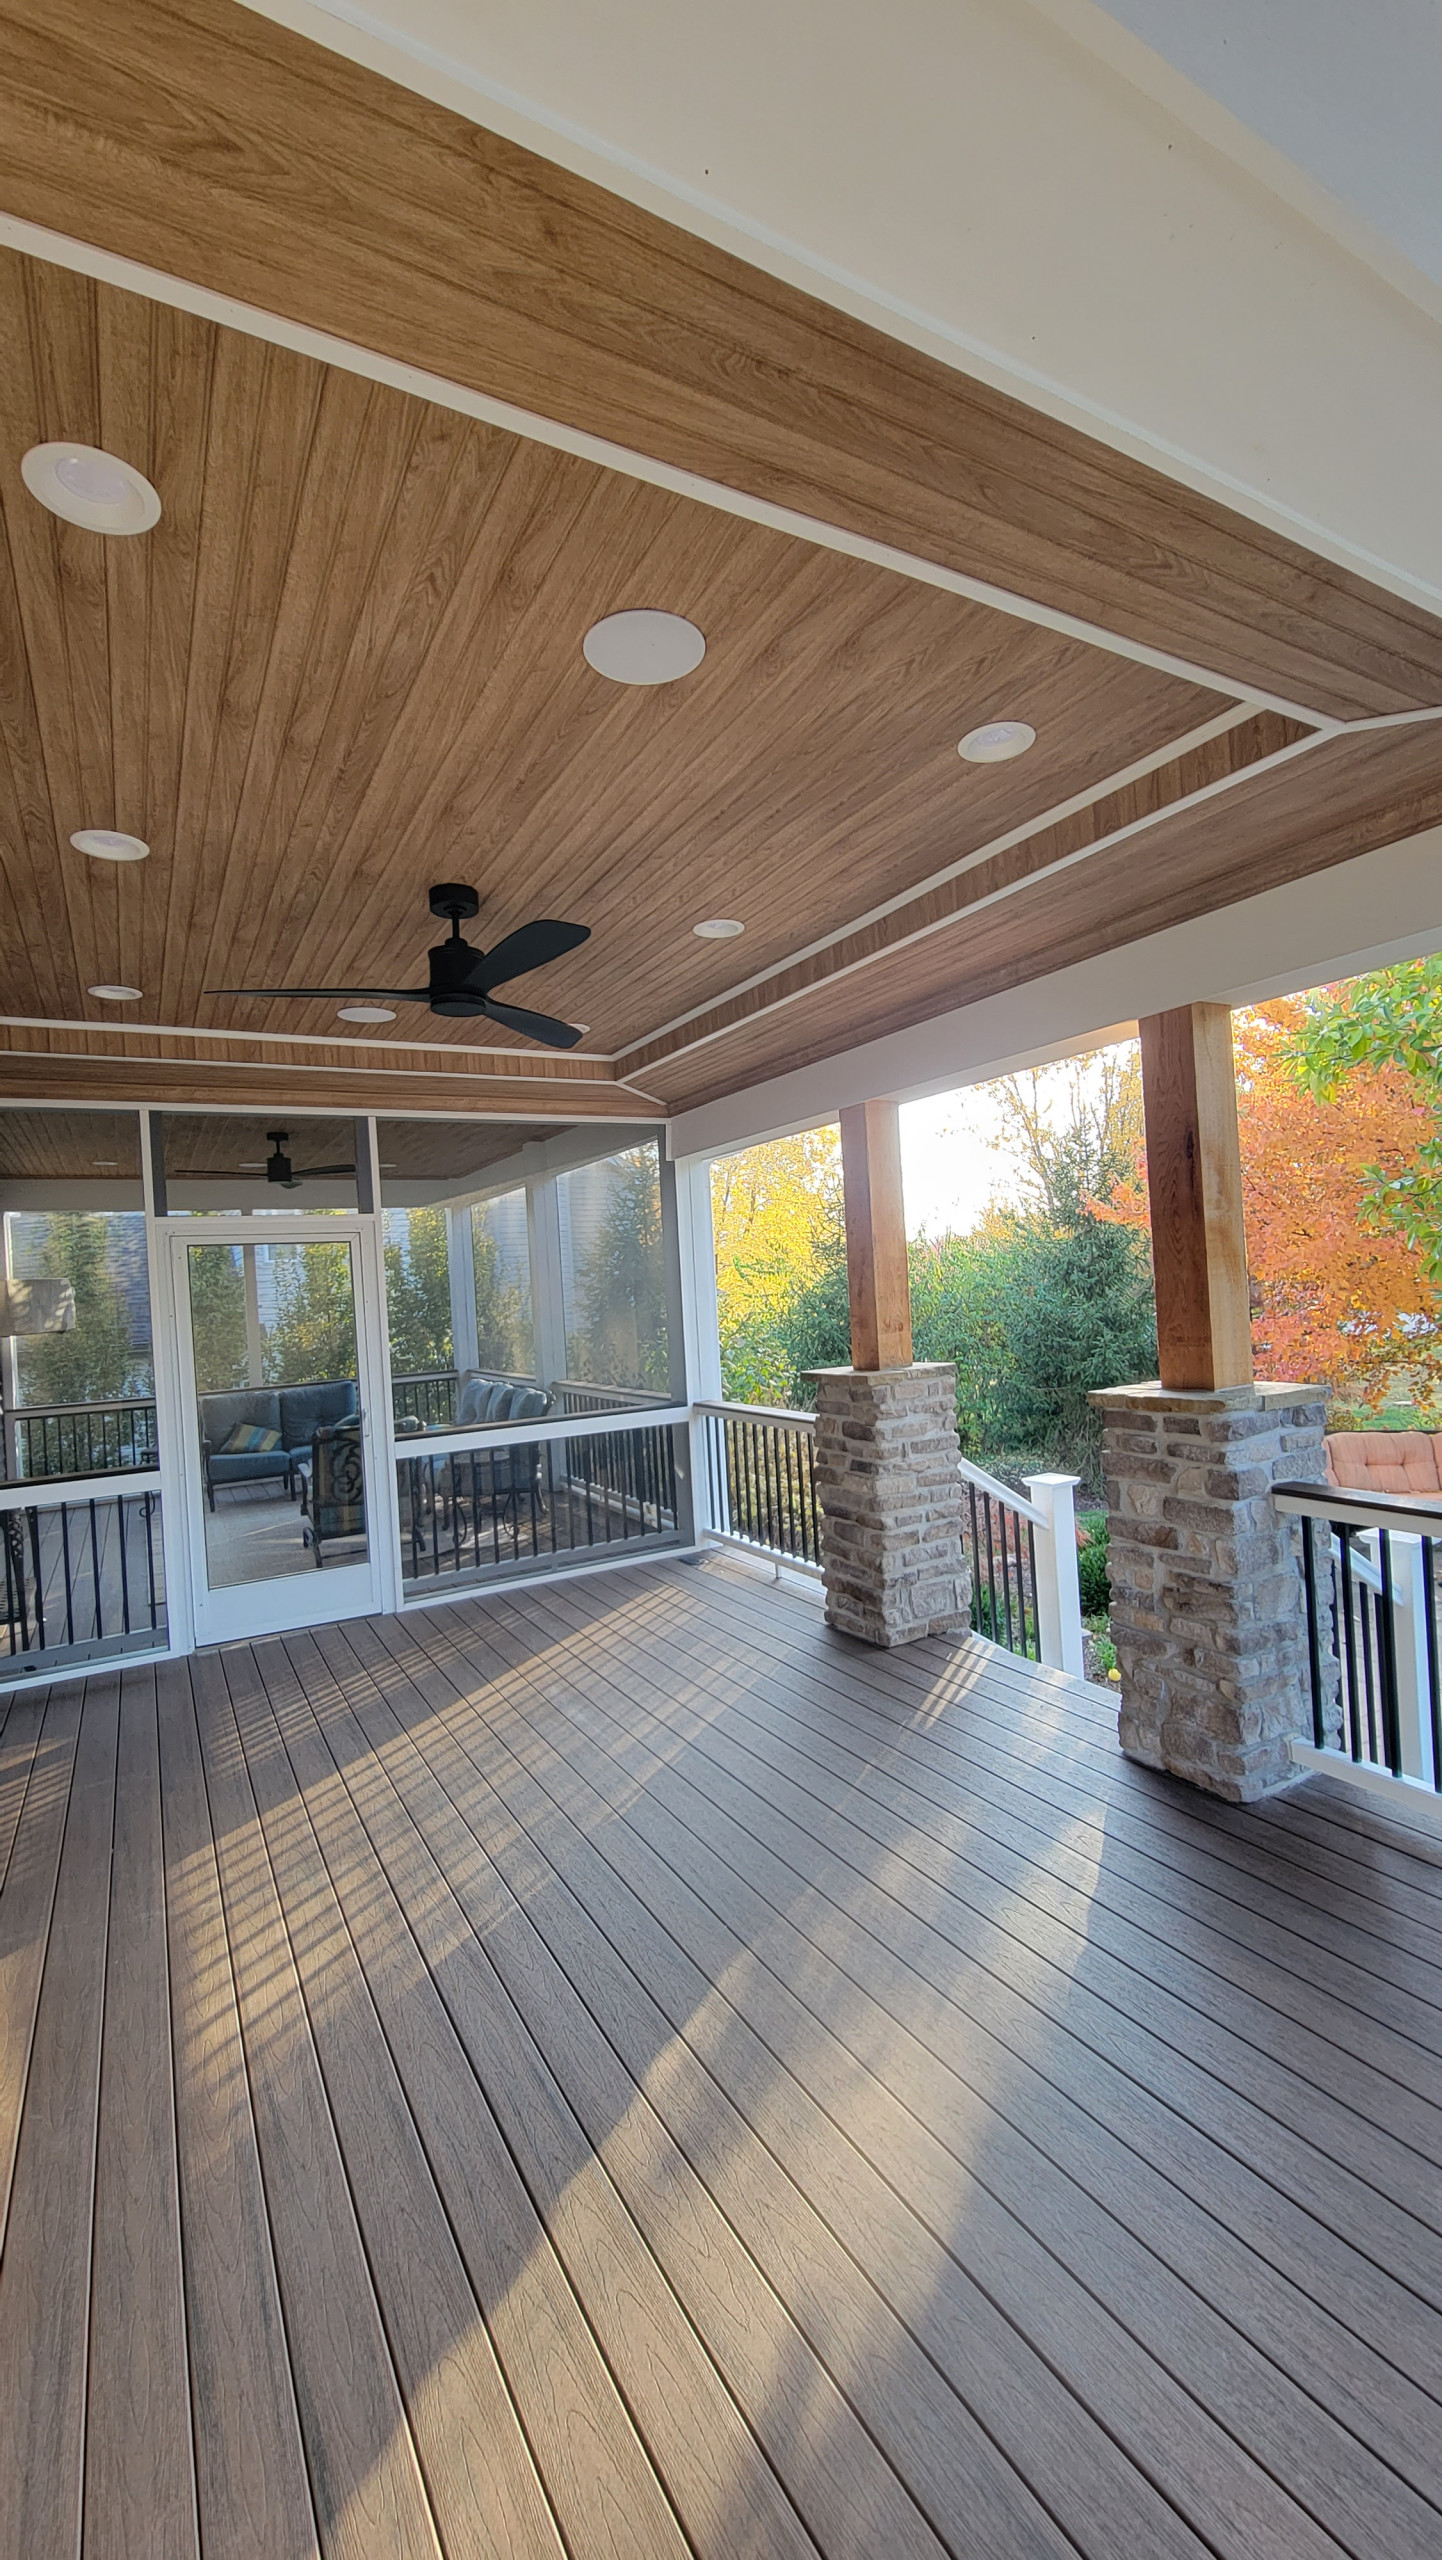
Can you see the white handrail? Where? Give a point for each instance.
(46, 1493)
(510, 1435)
(1000, 1492)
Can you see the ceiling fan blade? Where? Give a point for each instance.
(321, 1172)
(392, 995)
(536, 1026)
(529, 947)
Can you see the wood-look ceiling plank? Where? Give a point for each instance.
(184, 358)
(233, 414)
(275, 526)
(126, 369)
(1276, 826)
(197, 138)
(304, 604)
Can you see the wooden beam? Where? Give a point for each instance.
(878, 1281)
(1194, 1176)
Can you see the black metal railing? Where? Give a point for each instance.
(427, 1396)
(999, 1534)
(81, 1439)
(82, 1578)
(574, 1396)
(1374, 1660)
(761, 1480)
(533, 1503)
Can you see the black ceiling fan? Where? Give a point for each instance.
(279, 1168)
(461, 977)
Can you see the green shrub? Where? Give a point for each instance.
(1091, 1565)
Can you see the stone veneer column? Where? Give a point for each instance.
(1208, 1614)
(890, 1491)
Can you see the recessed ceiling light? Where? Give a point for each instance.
(718, 929)
(118, 995)
(90, 488)
(644, 647)
(365, 1013)
(253, 1164)
(997, 742)
(107, 844)
(106, 1164)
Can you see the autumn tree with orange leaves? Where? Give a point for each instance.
(1340, 1292)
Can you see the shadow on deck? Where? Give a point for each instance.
(614, 2067)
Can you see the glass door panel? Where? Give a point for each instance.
(279, 1429)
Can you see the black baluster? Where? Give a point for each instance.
(1349, 1627)
(1387, 1660)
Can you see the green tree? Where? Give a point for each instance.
(503, 1315)
(418, 1290)
(217, 1317)
(100, 1358)
(312, 1334)
(621, 1340)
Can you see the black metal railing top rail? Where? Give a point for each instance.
(760, 1487)
(999, 1534)
(1370, 1567)
(80, 1439)
(576, 1396)
(82, 1578)
(532, 1503)
(426, 1395)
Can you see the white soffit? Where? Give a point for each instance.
(1033, 194)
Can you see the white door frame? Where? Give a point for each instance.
(338, 1591)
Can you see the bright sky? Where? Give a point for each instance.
(950, 1164)
(949, 1169)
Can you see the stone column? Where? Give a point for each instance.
(1208, 1615)
(890, 1492)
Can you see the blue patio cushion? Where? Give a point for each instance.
(529, 1404)
(472, 1397)
(257, 1406)
(304, 1409)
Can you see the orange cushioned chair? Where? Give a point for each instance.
(1385, 1461)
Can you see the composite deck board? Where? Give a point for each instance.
(871, 2030)
(614, 2069)
(1096, 2246)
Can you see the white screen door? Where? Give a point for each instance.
(283, 1464)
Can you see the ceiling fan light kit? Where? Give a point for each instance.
(461, 977)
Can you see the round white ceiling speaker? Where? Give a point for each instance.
(107, 844)
(997, 742)
(718, 929)
(644, 647)
(365, 1013)
(90, 488)
(117, 995)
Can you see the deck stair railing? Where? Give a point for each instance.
(1374, 1659)
(1022, 1547)
(83, 1572)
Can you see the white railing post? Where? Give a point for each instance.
(1409, 1631)
(1058, 1593)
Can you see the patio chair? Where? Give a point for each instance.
(333, 1485)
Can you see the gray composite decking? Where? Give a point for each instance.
(615, 2069)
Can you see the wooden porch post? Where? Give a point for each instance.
(878, 1282)
(1206, 1606)
(886, 1451)
(1194, 1177)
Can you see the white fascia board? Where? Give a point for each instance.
(1365, 914)
(1030, 194)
